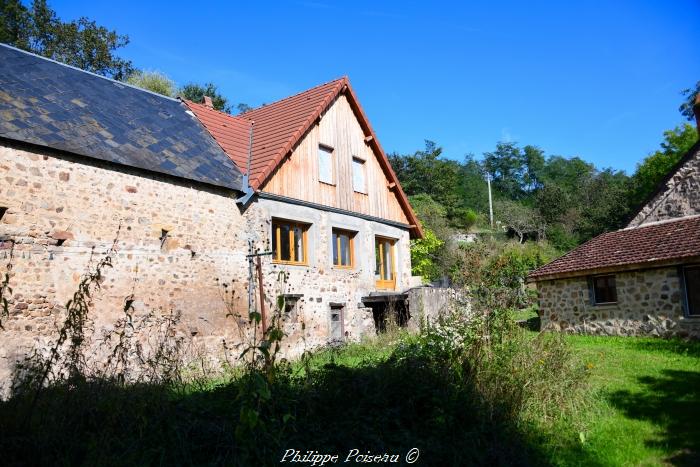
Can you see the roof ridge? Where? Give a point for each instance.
(303, 128)
(264, 106)
(225, 114)
(121, 83)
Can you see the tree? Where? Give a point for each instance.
(15, 24)
(425, 256)
(655, 166)
(80, 43)
(243, 108)
(686, 108)
(506, 166)
(154, 81)
(425, 172)
(472, 189)
(196, 92)
(521, 219)
(431, 214)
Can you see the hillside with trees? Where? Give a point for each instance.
(551, 201)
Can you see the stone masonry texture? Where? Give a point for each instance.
(650, 302)
(678, 198)
(180, 251)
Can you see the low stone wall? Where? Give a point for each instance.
(426, 304)
(649, 303)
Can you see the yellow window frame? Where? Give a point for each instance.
(277, 239)
(351, 245)
(379, 243)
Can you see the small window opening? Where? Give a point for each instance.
(604, 290)
(163, 237)
(60, 242)
(291, 306)
(337, 325)
(3, 210)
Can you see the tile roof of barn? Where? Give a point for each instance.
(659, 243)
(50, 104)
(278, 127)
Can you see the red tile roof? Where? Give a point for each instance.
(280, 126)
(647, 245)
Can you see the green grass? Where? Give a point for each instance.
(647, 402)
(645, 397)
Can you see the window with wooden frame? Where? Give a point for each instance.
(604, 290)
(385, 271)
(343, 248)
(325, 164)
(289, 242)
(358, 175)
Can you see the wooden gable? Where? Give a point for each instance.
(338, 129)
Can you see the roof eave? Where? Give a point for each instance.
(652, 264)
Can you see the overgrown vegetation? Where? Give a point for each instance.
(471, 388)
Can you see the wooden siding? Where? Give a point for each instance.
(298, 176)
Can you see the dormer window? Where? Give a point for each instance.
(325, 164)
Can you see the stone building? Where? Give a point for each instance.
(184, 201)
(641, 280)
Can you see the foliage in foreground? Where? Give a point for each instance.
(463, 390)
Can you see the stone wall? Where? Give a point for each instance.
(427, 304)
(64, 213)
(650, 303)
(680, 197)
(320, 284)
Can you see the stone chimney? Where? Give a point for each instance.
(696, 111)
(208, 102)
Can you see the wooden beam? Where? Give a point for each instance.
(368, 139)
(391, 185)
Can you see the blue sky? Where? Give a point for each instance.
(599, 80)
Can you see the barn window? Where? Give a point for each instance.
(358, 175)
(325, 164)
(691, 279)
(604, 290)
(3, 210)
(343, 248)
(289, 242)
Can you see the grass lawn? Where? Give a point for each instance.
(645, 393)
(647, 402)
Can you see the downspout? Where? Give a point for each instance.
(249, 192)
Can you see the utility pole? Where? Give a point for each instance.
(488, 181)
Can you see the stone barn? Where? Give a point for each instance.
(641, 280)
(192, 209)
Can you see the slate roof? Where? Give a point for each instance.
(280, 126)
(652, 244)
(50, 104)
